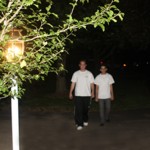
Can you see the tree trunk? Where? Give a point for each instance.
(61, 79)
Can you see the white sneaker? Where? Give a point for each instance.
(85, 124)
(79, 128)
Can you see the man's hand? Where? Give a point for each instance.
(92, 95)
(92, 90)
(71, 90)
(96, 96)
(96, 99)
(112, 93)
(112, 98)
(70, 96)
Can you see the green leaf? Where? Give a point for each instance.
(114, 20)
(29, 2)
(83, 1)
(48, 8)
(121, 16)
(23, 64)
(55, 15)
(70, 19)
(117, 1)
(36, 77)
(102, 27)
(38, 55)
(110, 13)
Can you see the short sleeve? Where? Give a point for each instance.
(74, 78)
(111, 80)
(96, 81)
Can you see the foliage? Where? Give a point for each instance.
(44, 39)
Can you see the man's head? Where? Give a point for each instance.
(103, 69)
(82, 65)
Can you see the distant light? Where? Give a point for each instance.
(101, 62)
(124, 65)
(147, 62)
(137, 65)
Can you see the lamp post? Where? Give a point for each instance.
(14, 53)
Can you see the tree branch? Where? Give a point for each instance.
(16, 13)
(9, 4)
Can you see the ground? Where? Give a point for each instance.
(128, 130)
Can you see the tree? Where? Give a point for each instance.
(45, 36)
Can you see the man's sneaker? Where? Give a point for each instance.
(79, 128)
(108, 120)
(85, 124)
(102, 124)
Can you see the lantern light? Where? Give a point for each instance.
(15, 47)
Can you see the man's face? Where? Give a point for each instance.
(103, 69)
(82, 65)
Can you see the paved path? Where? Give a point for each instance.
(56, 131)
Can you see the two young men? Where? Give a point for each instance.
(83, 83)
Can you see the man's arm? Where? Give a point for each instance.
(96, 97)
(111, 92)
(71, 90)
(92, 90)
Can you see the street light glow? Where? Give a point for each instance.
(14, 50)
(124, 65)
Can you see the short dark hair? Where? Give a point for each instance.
(104, 65)
(82, 60)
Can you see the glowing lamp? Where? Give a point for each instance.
(124, 65)
(15, 47)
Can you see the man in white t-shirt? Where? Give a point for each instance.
(104, 93)
(83, 83)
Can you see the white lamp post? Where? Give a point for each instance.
(13, 53)
(15, 115)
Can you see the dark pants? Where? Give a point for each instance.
(105, 106)
(81, 110)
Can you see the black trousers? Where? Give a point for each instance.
(82, 105)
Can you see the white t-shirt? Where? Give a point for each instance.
(104, 81)
(83, 80)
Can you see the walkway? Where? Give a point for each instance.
(56, 131)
